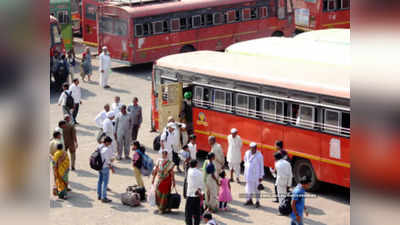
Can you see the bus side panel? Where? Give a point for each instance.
(180, 39)
(304, 141)
(89, 24)
(151, 48)
(335, 19)
(271, 132)
(332, 172)
(201, 127)
(246, 31)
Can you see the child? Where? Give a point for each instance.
(184, 154)
(225, 195)
(208, 219)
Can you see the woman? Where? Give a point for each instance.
(61, 170)
(166, 178)
(211, 185)
(86, 65)
(137, 162)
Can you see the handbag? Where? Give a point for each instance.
(260, 187)
(174, 200)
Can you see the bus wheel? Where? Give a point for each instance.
(302, 168)
(188, 48)
(277, 34)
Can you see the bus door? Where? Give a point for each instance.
(170, 102)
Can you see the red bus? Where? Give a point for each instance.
(266, 100)
(321, 14)
(143, 32)
(76, 14)
(56, 42)
(89, 24)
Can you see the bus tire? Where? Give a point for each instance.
(187, 48)
(277, 34)
(303, 167)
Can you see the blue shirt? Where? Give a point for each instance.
(298, 195)
(210, 169)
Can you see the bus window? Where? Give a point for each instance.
(63, 17)
(252, 106)
(183, 23)
(147, 29)
(345, 4)
(338, 4)
(242, 103)
(222, 100)
(121, 27)
(196, 21)
(90, 11)
(218, 18)
(263, 12)
(279, 111)
(175, 24)
(306, 118)
(254, 13)
(198, 96)
(230, 16)
(208, 19)
(246, 14)
(107, 25)
(329, 5)
(272, 110)
(158, 27)
(332, 121)
(139, 30)
(345, 123)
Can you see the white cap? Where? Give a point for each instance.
(104, 47)
(234, 130)
(171, 124)
(253, 144)
(110, 114)
(183, 126)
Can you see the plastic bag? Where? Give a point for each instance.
(152, 195)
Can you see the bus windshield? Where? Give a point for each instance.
(55, 34)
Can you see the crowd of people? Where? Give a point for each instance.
(206, 187)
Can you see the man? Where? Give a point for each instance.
(70, 140)
(283, 176)
(234, 155)
(279, 148)
(104, 174)
(76, 94)
(167, 140)
(184, 135)
(108, 128)
(105, 64)
(195, 186)
(116, 106)
(99, 121)
(62, 100)
(135, 111)
(298, 201)
(123, 126)
(219, 154)
(60, 127)
(253, 173)
(192, 146)
(184, 155)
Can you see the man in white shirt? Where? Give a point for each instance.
(104, 174)
(62, 100)
(104, 67)
(253, 173)
(283, 176)
(167, 139)
(195, 186)
(116, 106)
(192, 146)
(108, 128)
(123, 129)
(76, 94)
(234, 155)
(99, 121)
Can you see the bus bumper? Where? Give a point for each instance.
(121, 62)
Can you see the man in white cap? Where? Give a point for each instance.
(234, 156)
(105, 64)
(219, 154)
(253, 173)
(167, 139)
(108, 128)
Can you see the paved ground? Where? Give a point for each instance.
(330, 207)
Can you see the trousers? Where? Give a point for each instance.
(192, 211)
(102, 184)
(251, 190)
(123, 144)
(138, 176)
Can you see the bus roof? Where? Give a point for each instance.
(309, 77)
(336, 35)
(174, 6)
(290, 48)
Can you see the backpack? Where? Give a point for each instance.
(147, 164)
(285, 208)
(69, 101)
(95, 160)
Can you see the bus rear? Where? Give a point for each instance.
(89, 24)
(76, 17)
(322, 14)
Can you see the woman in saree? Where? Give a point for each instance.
(211, 185)
(166, 179)
(86, 65)
(61, 170)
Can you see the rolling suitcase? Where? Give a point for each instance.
(136, 189)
